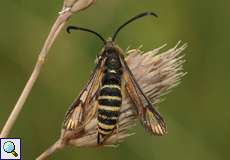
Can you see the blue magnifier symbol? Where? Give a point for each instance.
(9, 147)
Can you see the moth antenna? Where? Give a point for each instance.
(69, 28)
(133, 19)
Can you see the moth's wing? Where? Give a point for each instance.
(149, 116)
(84, 105)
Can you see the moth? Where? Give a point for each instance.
(103, 93)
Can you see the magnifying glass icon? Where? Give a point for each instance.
(9, 147)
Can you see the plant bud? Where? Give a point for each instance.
(77, 5)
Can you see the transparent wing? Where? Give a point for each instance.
(84, 106)
(149, 116)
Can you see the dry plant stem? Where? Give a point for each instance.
(57, 26)
(55, 147)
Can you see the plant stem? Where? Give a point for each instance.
(57, 26)
(56, 146)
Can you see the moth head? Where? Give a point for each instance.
(111, 47)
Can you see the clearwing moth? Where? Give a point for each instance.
(103, 94)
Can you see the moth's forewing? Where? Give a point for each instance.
(83, 109)
(149, 116)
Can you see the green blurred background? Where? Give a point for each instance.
(197, 112)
